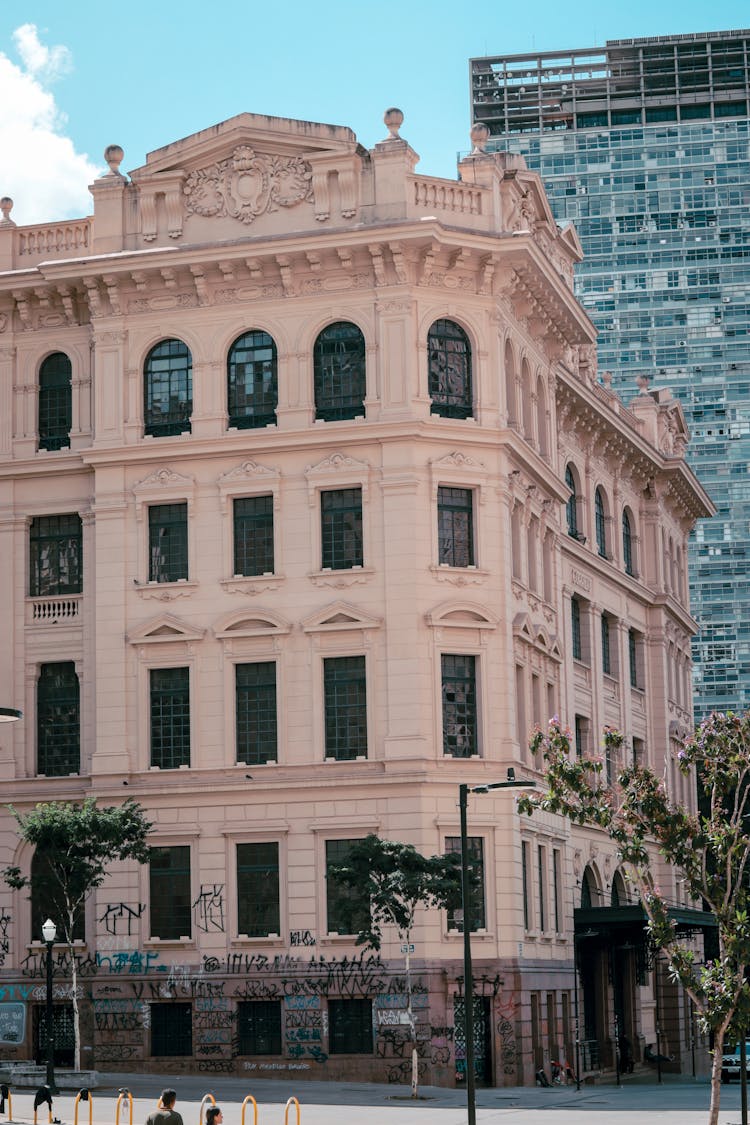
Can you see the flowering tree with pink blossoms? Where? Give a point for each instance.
(710, 850)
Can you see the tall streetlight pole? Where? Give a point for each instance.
(463, 793)
(49, 933)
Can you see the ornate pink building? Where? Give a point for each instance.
(312, 504)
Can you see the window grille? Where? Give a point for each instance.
(601, 524)
(460, 738)
(345, 705)
(449, 355)
(258, 912)
(627, 544)
(171, 1029)
(475, 853)
(341, 528)
(455, 526)
(339, 372)
(350, 1027)
(252, 393)
(169, 892)
(575, 616)
(344, 911)
(253, 535)
(55, 556)
(55, 402)
(170, 717)
(633, 658)
(167, 542)
(256, 712)
(606, 648)
(58, 720)
(168, 389)
(259, 1027)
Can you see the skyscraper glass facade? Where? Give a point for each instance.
(644, 146)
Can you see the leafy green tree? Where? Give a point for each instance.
(710, 850)
(395, 879)
(76, 844)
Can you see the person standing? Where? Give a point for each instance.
(165, 1113)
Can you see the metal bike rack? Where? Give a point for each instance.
(286, 1111)
(204, 1099)
(250, 1098)
(43, 1097)
(83, 1096)
(123, 1094)
(5, 1095)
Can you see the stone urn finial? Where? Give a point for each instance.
(642, 382)
(393, 119)
(6, 206)
(480, 134)
(113, 154)
(607, 379)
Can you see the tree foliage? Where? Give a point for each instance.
(709, 848)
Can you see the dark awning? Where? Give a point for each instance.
(628, 923)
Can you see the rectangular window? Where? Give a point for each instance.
(259, 1027)
(581, 726)
(55, 556)
(455, 508)
(253, 535)
(255, 686)
(341, 529)
(475, 854)
(557, 887)
(606, 651)
(633, 658)
(258, 910)
(169, 892)
(171, 1029)
(575, 617)
(167, 542)
(58, 720)
(521, 720)
(345, 914)
(536, 700)
(541, 856)
(345, 704)
(350, 1027)
(170, 717)
(525, 879)
(460, 736)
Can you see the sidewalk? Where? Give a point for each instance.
(679, 1101)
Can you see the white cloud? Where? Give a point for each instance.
(39, 166)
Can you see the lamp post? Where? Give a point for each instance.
(463, 793)
(10, 715)
(49, 933)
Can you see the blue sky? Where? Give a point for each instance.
(81, 75)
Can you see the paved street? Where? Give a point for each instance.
(678, 1100)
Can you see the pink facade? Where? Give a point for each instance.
(312, 505)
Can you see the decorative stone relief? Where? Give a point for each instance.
(247, 185)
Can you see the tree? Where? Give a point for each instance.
(394, 879)
(710, 850)
(76, 844)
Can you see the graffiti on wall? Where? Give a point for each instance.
(119, 919)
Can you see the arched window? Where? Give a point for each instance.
(589, 890)
(527, 405)
(541, 418)
(168, 389)
(55, 402)
(339, 372)
(600, 523)
(252, 395)
(510, 385)
(449, 355)
(47, 903)
(58, 720)
(571, 508)
(627, 543)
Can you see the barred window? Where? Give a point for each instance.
(460, 735)
(633, 658)
(58, 720)
(345, 705)
(475, 854)
(575, 621)
(339, 372)
(170, 717)
(167, 542)
(55, 556)
(345, 913)
(350, 1027)
(55, 402)
(252, 393)
(168, 389)
(606, 647)
(259, 1027)
(341, 528)
(171, 1029)
(258, 911)
(449, 355)
(256, 712)
(253, 535)
(169, 892)
(455, 526)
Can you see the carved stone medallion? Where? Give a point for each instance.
(248, 184)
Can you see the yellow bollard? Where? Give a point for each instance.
(250, 1098)
(124, 1094)
(6, 1095)
(43, 1097)
(286, 1111)
(204, 1099)
(83, 1096)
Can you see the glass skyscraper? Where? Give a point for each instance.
(643, 145)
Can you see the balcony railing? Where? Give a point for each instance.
(53, 611)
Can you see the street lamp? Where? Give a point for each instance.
(10, 715)
(49, 933)
(463, 792)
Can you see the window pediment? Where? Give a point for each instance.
(338, 616)
(259, 623)
(165, 627)
(461, 615)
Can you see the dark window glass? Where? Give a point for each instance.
(350, 1027)
(633, 658)
(55, 556)
(601, 525)
(344, 911)
(540, 861)
(170, 717)
(259, 1027)
(258, 889)
(575, 617)
(55, 402)
(253, 535)
(345, 704)
(256, 712)
(341, 528)
(571, 508)
(525, 883)
(167, 542)
(58, 720)
(627, 543)
(606, 648)
(460, 738)
(45, 901)
(251, 381)
(449, 370)
(171, 1029)
(169, 892)
(339, 372)
(475, 853)
(168, 389)
(455, 526)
